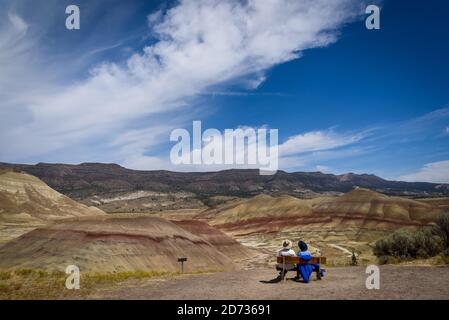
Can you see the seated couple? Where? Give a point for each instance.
(303, 271)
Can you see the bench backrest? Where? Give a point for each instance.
(298, 260)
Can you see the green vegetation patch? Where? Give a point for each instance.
(424, 243)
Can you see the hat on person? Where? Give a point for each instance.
(287, 244)
(302, 245)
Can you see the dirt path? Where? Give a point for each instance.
(344, 250)
(339, 283)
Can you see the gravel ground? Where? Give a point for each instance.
(396, 282)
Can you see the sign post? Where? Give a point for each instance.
(182, 260)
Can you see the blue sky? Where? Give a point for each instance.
(368, 101)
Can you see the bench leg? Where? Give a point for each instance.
(283, 268)
(318, 273)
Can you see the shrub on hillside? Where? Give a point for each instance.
(399, 244)
(388, 260)
(446, 252)
(382, 248)
(426, 243)
(442, 228)
(404, 244)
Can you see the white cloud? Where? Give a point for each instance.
(427, 126)
(18, 24)
(303, 150)
(309, 160)
(202, 43)
(437, 172)
(142, 162)
(14, 56)
(318, 141)
(324, 169)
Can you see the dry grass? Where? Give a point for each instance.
(30, 284)
(438, 260)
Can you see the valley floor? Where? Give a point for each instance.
(396, 282)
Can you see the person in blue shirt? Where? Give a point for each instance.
(305, 270)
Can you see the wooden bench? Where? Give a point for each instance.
(297, 260)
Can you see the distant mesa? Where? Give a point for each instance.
(90, 183)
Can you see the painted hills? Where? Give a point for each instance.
(43, 229)
(331, 225)
(225, 244)
(23, 196)
(124, 243)
(114, 188)
(360, 208)
(27, 202)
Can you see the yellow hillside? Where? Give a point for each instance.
(23, 196)
(360, 204)
(26, 202)
(373, 205)
(262, 206)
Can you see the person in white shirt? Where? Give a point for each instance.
(286, 251)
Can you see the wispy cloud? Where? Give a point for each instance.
(244, 93)
(391, 140)
(324, 169)
(427, 126)
(311, 160)
(192, 53)
(431, 172)
(318, 141)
